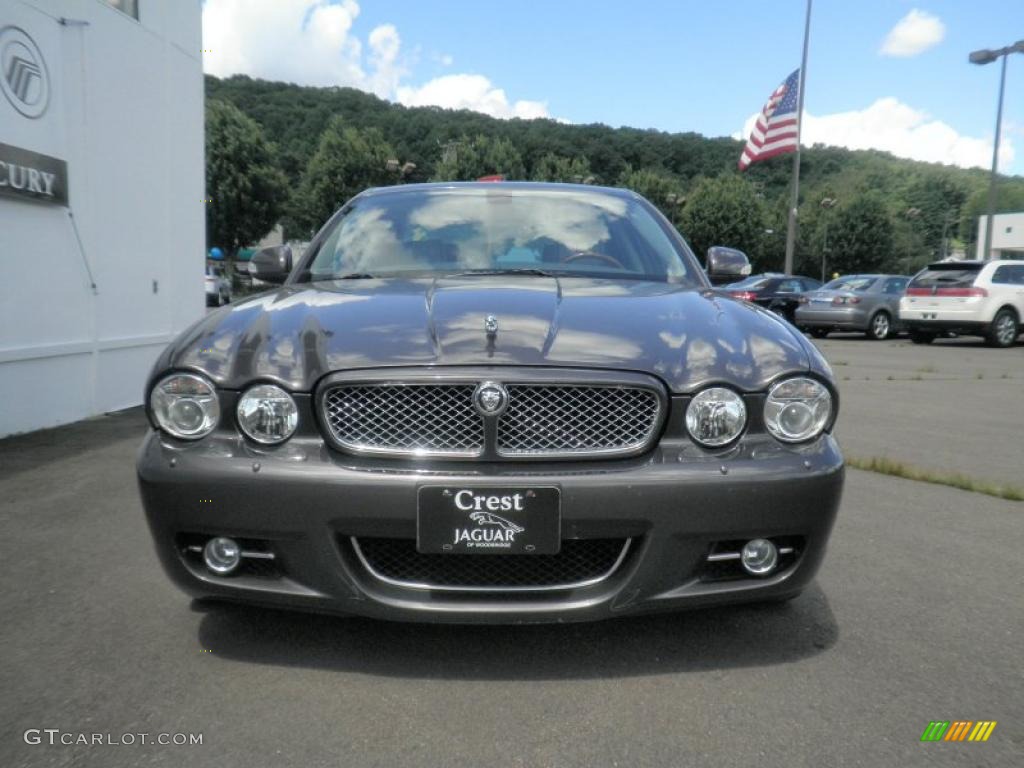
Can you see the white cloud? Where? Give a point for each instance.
(310, 42)
(474, 92)
(892, 126)
(913, 34)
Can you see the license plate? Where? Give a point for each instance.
(483, 520)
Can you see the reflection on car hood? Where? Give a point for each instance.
(298, 333)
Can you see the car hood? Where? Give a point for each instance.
(298, 333)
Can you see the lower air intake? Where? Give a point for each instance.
(580, 563)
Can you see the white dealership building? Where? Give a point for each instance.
(101, 200)
(1007, 236)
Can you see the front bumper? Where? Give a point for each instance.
(306, 502)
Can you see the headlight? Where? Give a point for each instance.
(797, 409)
(716, 416)
(185, 406)
(267, 414)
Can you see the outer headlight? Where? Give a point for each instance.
(797, 409)
(716, 417)
(185, 405)
(267, 414)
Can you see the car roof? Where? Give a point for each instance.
(522, 186)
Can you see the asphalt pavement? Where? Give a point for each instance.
(916, 616)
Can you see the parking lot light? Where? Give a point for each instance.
(981, 57)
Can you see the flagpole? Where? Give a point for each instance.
(791, 230)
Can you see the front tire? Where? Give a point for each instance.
(819, 333)
(880, 326)
(1004, 328)
(921, 337)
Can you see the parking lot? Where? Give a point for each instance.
(914, 617)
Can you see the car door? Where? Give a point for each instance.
(892, 290)
(787, 295)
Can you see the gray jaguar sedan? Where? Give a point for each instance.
(492, 402)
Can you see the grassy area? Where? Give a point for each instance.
(895, 468)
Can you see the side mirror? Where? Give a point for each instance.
(726, 265)
(271, 264)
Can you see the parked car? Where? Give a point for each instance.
(778, 293)
(971, 298)
(866, 303)
(492, 402)
(218, 287)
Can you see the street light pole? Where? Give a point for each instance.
(827, 203)
(985, 56)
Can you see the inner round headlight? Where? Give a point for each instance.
(797, 409)
(185, 405)
(716, 417)
(267, 414)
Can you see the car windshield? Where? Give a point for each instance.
(506, 230)
(949, 275)
(850, 284)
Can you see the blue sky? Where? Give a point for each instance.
(677, 66)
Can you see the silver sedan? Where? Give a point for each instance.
(865, 303)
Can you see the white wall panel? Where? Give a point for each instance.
(126, 114)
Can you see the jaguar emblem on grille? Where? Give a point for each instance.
(490, 398)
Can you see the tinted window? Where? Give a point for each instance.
(789, 286)
(1009, 274)
(947, 276)
(429, 232)
(896, 284)
(852, 283)
(131, 7)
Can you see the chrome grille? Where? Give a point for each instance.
(542, 419)
(569, 419)
(405, 419)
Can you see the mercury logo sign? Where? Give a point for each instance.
(24, 77)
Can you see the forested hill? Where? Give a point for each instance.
(890, 213)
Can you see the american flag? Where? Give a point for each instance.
(776, 129)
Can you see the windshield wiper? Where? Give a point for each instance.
(355, 276)
(535, 271)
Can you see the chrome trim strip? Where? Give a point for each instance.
(718, 557)
(250, 553)
(446, 588)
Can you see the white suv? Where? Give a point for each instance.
(973, 298)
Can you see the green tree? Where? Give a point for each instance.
(552, 167)
(661, 189)
(246, 188)
(725, 211)
(347, 161)
(861, 237)
(468, 159)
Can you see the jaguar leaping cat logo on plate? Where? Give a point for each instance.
(489, 518)
(24, 78)
(490, 398)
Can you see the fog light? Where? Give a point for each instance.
(222, 555)
(759, 557)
